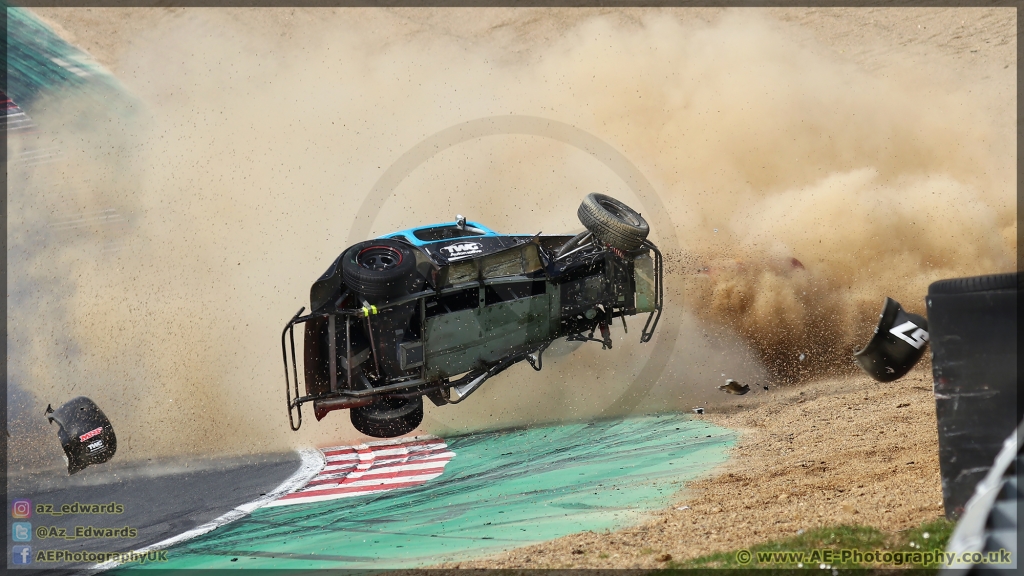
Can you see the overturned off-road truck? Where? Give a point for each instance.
(437, 310)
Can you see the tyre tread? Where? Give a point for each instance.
(402, 423)
(987, 283)
(606, 227)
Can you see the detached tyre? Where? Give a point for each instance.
(380, 270)
(613, 222)
(388, 417)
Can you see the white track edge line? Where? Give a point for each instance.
(312, 463)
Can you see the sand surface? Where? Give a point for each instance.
(978, 41)
(833, 449)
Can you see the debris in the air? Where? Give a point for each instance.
(765, 387)
(802, 357)
(85, 433)
(733, 387)
(698, 410)
(898, 343)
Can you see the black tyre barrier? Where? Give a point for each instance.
(973, 324)
(85, 433)
(899, 342)
(988, 527)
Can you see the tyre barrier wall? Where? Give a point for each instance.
(988, 526)
(973, 330)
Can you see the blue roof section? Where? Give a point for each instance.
(409, 233)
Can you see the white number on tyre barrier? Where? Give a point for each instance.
(915, 339)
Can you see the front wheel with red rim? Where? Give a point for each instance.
(380, 270)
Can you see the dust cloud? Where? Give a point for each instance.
(803, 187)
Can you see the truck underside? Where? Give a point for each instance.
(447, 328)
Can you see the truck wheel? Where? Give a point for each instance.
(380, 269)
(613, 222)
(388, 417)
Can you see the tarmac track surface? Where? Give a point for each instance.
(161, 500)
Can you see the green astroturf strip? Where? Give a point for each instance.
(40, 63)
(501, 490)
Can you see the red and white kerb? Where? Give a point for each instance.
(372, 468)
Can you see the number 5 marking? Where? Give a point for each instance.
(917, 339)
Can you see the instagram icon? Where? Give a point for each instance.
(21, 509)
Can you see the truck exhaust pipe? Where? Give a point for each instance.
(322, 407)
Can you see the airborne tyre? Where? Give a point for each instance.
(388, 417)
(379, 269)
(613, 222)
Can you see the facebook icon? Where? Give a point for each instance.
(21, 554)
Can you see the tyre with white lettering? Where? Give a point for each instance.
(898, 343)
(380, 270)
